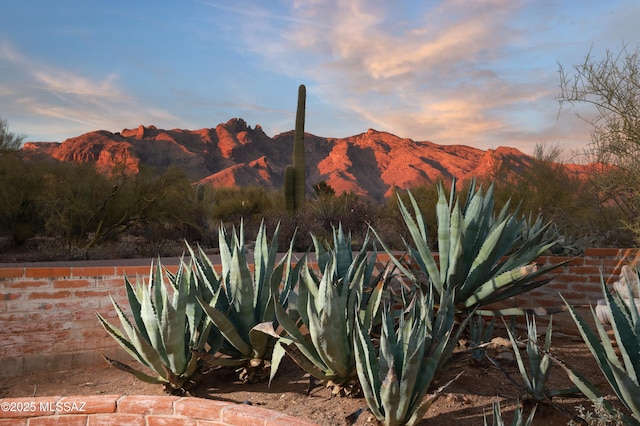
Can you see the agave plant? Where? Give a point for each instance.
(480, 335)
(395, 383)
(244, 300)
(167, 328)
(518, 418)
(481, 255)
(539, 363)
(319, 328)
(623, 376)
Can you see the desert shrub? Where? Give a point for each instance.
(610, 87)
(578, 215)
(20, 193)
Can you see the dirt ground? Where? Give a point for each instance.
(464, 402)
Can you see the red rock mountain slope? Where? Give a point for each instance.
(234, 154)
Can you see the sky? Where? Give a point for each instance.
(483, 73)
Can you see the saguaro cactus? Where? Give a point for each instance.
(295, 175)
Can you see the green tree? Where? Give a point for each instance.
(611, 88)
(9, 141)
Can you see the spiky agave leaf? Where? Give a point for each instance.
(483, 257)
(246, 298)
(622, 376)
(322, 324)
(408, 360)
(166, 327)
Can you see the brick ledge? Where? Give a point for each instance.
(137, 409)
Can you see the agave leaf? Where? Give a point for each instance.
(276, 358)
(147, 354)
(489, 253)
(492, 287)
(278, 350)
(583, 384)
(240, 289)
(629, 391)
(624, 330)
(226, 328)
(134, 296)
(419, 236)
(406, 272)
(137, 373)
(454, 274)
(368, 373)
(261, 343)
(327, 325)
(173, 337)
(412, 360)
(520, 362)
(373, 305)
(443, 215)
(121, 339)
(390, 396)
(152, 321)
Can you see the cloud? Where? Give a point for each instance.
(449, 71)
(66, 102)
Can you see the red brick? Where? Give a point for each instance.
(10, 296)
(159, 420)
(54, 272)
(50, 316)
(132, 271)
(605, 252)
(70, 420)
(91, 315)
(71, 283)
(22, 306)
(11, 272)
(210, 423)
(115, 419)
(77, 304)
(247, 415)
(82, 294)
(146, 404)
(25, 327)
(28, 407)
(554, 260)
(13, 317)
(27, 284)
(93, 403)
(49, 295)
(586, 270)
(13, 422)
(93, 271)
(112, 283)
(586, 288)
(567, 278)
(197, 408)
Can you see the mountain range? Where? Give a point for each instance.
(370, 164)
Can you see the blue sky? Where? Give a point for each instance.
(482, 73)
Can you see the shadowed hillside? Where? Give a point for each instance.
(234, 154)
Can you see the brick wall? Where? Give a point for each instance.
(48, 321)
(136, 410)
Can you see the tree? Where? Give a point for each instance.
(9, 141)
(611, 87)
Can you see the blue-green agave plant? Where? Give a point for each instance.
(167, 328)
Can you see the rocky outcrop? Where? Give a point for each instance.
(372, 163)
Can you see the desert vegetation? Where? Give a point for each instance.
(67, 210)
(383, 334)
(380, 333)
